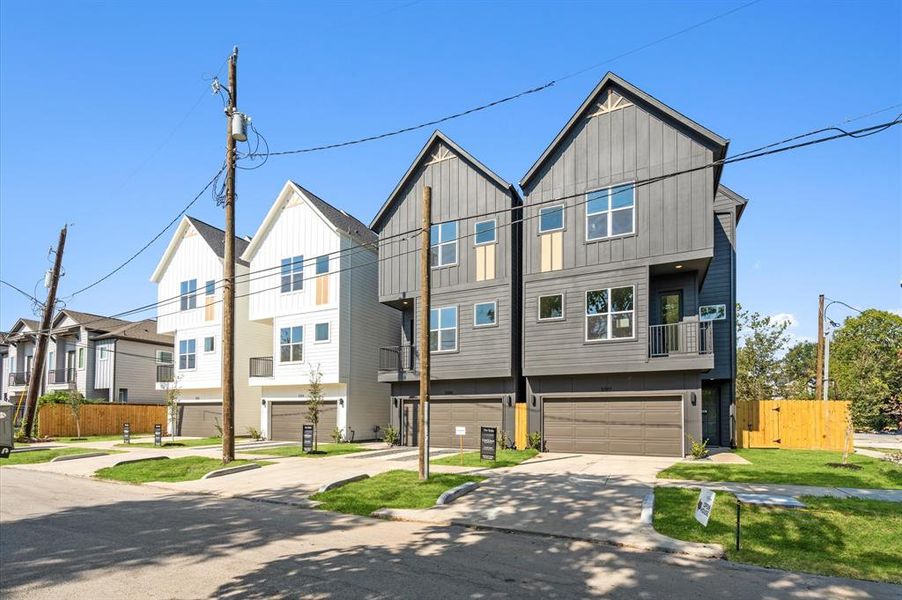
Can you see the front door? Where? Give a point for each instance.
(671, 304)
(711, 415)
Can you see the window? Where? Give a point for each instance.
(51, 362)
(123, 395)
(292, 274)
(443, 239)
(81, 358)
(321, 332)
(291, 344)
(485, 314)
(322, 264)
(187, 356)
(188, 297)
(103, 353)
(210, 288)
(610, 314)
(551, 218)
(208, 344)
(551, 307)
(485, 232)
(164, 357)
(609, 212)
(443, 329)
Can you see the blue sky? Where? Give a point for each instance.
(106, 121)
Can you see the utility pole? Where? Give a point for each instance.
(228, 280)
(425, 306)
(819, 368)
(37, 367)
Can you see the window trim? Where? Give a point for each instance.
(476, 325)
(494, 239)
(186, 354)
(159, 357)
(610, 314)
(290, 344)
(440, 329)
(80, 359)
(292, 262)
(209, 337)
(439, 245)
(207, 287)
(563, 308)
(328, 261)
(609, 211)
(103, 352)
(190, 296)
(328, 339)
(563, 218)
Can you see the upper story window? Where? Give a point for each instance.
(210, 288)
(187, 354)
(291, 344)
(209, 344)
(164, 357)
(443, 329)
(485, 232)
(551, 307)
(485, 314)
(551, 218)
(443, 240)
(610, 314)
(188, 294)
(321, 332)
(322, 264)
(103, 353)
(292, 274)
(610, 212)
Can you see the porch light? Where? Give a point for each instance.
(678, 266)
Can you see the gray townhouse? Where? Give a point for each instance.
(629, 282)
(475, 309)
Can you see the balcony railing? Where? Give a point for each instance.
(261, 366)
(60, 376)
(165, 373)
(398, 358)
(19, 377)
(690, 338)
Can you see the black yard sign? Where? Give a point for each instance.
(158, 435)
(126, 433)
(307, 438)
(488, 439)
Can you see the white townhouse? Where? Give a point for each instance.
(315, 291)
(189, 292)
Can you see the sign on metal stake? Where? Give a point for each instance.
(126, 433)
(488, 443)
(307, 438)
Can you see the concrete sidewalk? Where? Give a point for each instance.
(786, 490)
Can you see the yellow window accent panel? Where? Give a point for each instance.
(209, 308)
(485, 262)
(322, 289)
(552, 251)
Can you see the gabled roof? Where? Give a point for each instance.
(142, 331)
(719, 144)
(22, 328)
(335, 217)
(89, 320)
(740, 201)
(436, 136)
(213, 236)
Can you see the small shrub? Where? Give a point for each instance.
(390, 435)
(254, 434)
(504, 441)
(698, 448)
(534, 441)
(336, 435)
(218, 428)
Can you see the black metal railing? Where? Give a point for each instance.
(261, 366)
(398, 358)
(681, 339)
(165, 373)
(19, 377)
(58, 376)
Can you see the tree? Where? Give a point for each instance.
(799, 367)
(75, 400)
(866, 363)
(315, 401)
(759, 364)
(173, 393)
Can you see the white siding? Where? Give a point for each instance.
(193, 259)
(103, 369)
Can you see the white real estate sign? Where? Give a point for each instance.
(704, 506)
(460, 430)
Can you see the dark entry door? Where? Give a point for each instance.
(671, 313)
(711, 415)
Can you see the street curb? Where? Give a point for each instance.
(231, 470)
(77, 456)
(128, 461)
(341, 482)
(454, 493)
(33, 449)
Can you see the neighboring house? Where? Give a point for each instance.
(314, 292)
(621, 281)
(189, 292)
(475, 305)
(4, 365)
(20, 358)
(126, 360)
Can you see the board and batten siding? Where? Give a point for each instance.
(458, 189)
(193, 259)
(103, 369)
(720, 288)
(672, 216)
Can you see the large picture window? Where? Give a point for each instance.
(443, 329)
(610, 212)
(292, 274)
(291, 344)
(610, 314)
(188, 294)
(187, 355)
(443, 242)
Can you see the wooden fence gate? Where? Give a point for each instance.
(101, 419)
(798, 424)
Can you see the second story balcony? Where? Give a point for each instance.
(19, 378)
(260, 366)
(60, 376)
(165, 373)
(398, 363)
(681, 340)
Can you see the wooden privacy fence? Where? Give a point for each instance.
(799, 424)
(101, 419)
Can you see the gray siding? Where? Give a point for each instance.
(685, 283)
(720, 288)
(626, 145)
(136, 371)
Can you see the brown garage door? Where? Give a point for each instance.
(446, 415)
(288, 418)
(200, 420)
(641, 426)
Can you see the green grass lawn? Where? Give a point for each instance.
(797, 467)
(323, 451)
(844, 537)
(185, 468)
(503, 458)
(393, 489)
(168, 443)
(39, 456)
